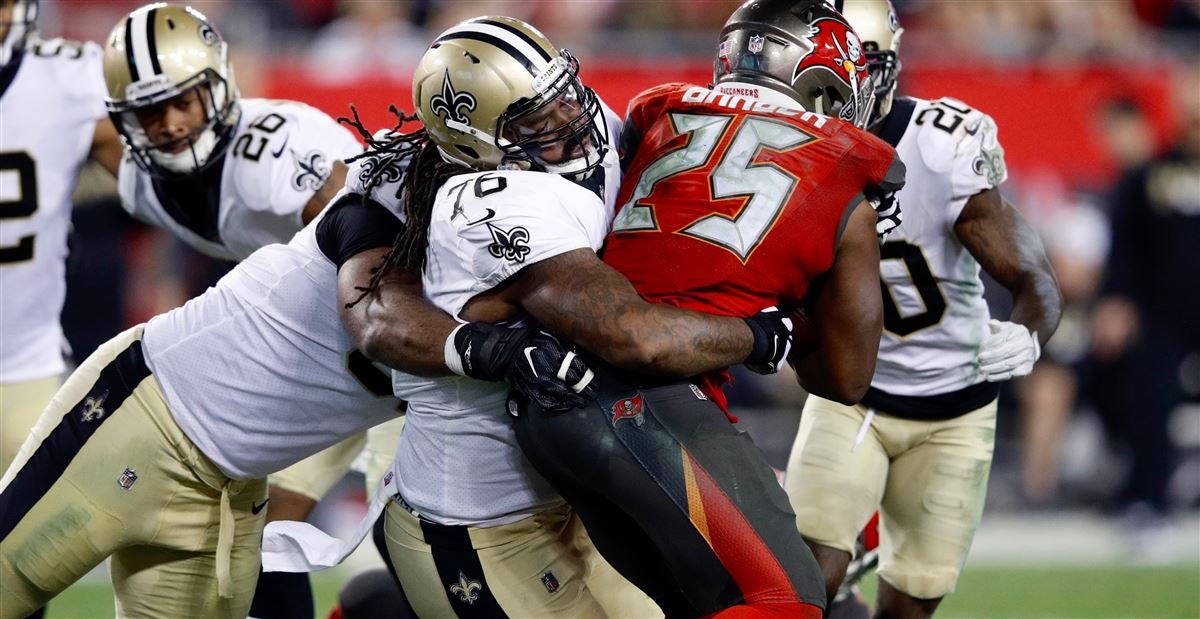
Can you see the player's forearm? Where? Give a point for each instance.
(579, 297)
(826, 374)
(393, 324)
(1037, 303)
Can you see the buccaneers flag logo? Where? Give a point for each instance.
(628, 408)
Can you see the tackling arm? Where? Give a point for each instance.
(393, 324)
(847, 316)
(578, 296)
(1009, 250)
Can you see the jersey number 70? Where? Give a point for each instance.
(737, 174)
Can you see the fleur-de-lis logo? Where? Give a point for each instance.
(466, 589)
(311, 170)
(509, 244)
(93, 408)
(450, 104)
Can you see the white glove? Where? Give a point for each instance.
(1009, 351)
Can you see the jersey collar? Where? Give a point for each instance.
(896, 122)
(9, 71)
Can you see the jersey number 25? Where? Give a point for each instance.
(737, 174)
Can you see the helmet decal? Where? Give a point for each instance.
(449, 103)
(837, 36)
(756, 43)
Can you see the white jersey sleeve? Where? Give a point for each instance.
(962, 144)
(279, 156)
(50, 100)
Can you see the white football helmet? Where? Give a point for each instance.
(21, 26)
(493, 92)
(155, 54)
(876, 23)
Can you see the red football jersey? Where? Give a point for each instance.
(730, 205)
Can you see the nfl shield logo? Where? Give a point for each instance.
(127, 479)
(756, 43)
(550, 582)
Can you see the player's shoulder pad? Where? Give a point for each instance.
(655, 95)
(955, 138)
(379, 176)
(73, 66)
(532, 200)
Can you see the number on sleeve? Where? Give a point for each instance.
(923, 281)
(767, 187)
(248, 148)
(24, 205)
(937, 112)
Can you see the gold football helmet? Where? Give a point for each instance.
(876, 24)
(18, 25)
(493, 92)
(162, 55)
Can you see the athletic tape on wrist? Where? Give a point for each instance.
(450, 352)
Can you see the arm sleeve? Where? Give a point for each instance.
(294, 164)
(978, 163)
(531, 227)
(354, 224)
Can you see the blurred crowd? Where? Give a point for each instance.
(1111, 416)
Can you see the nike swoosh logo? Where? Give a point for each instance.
(529, 358)
(490, 214)
(277, 154)
(258, 507)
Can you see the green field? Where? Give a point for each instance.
(1025, 593)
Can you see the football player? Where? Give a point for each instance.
(155, 450)
(509, 196)
(51, 102)
(652, 471)
(227, 175)
(919, 445)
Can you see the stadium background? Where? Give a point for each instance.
(1083, 91)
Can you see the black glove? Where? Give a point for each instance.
(536, 364)
(772, 330)
(552, 375)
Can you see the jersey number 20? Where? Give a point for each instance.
(23, 205)
(737, 174)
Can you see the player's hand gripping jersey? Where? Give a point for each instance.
(731, 204)
(50, 100)
(279, 156)
(935, 316)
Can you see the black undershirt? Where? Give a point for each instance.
(355, 224)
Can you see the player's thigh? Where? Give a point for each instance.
(179, 576)
(616, 595)
(20, 406)
(522, 569)
(836, 473)
(71, 497)
(933, 504)
(381, 451)
(316, 474)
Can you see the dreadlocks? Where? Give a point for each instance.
(390, 154)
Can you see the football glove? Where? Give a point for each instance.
(887, 216)
(552, 375)
(772, 329)
(1009, 351)
(534, 362)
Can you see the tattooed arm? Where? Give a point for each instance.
(578, 296)
(1007, 247)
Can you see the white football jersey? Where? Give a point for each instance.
(258, 371)
(49, 105)
(279, 155)
(458, 461)
(935, 316)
